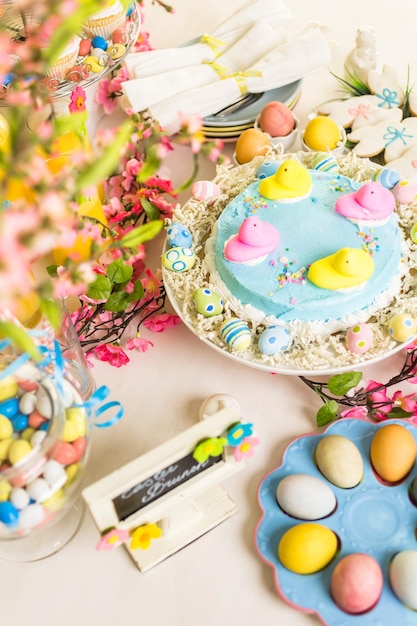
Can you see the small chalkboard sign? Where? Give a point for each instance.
(170, 488)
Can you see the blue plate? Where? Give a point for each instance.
(373, 518)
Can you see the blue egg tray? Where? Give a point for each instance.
(372, 517)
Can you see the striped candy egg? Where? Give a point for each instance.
(235, 333)
(386, 177)
(268, 168)
(324, 162)
(178, 259)
(205, 190)
(178, 235)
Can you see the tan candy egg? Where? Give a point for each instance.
(251, 143)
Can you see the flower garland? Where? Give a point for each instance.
(367, 399)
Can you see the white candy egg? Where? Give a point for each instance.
(27, 403)
(305, 497)
(31, 516)
(403, 576)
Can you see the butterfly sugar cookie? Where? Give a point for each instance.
(391, 137)
(359, 111)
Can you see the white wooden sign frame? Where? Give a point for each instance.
(184, 513)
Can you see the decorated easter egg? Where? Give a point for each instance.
(356, 583)
(359, 338)
(116, 51)
(251, 143)
(305, 497)
(321, 133)
(387, 177)
(307, 548)
(402, 576)
(325, 162)
(274, 339)
(207, 302)
(339, 460)
(393, 452)
(178, 236)
(179, 259)
(402, 327)
(276, 119)
(205, 190)
(413, 233)
(268, 168)
(405, 191)
(235, 333)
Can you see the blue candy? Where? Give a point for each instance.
(9, 407)
(9, 514)
(20, 422)
(99, 42)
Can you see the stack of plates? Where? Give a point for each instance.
(229, 123)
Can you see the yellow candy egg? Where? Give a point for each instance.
(72, 471)
(402, 327)
(307, 548)
(27, 433)
(93, 64)
(56, 501)
(4, 448)
(6, 427)
(321, 134)
(8, 388)
(18, 451)
(5, 489)
(251, 143)
(77, 417)
(393, 452)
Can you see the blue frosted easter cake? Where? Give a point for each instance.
(300, 249)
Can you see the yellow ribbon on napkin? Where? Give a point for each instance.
(240, 79)
(212, 42)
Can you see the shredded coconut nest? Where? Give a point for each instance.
(313, 348)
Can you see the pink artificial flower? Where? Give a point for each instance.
(359, 412)
(380, 399)
(246, 448)
(161, 322)
(139, 343)
(112, 353)
(78, 99)
(407, 403)
(151, 284)
(113, 539)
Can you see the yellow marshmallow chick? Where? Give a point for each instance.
(348, 267)
(291, 180)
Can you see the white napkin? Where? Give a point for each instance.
(142, 93)
(292, 61)
(141, 64)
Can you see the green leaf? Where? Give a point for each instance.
(152, 213)
(100, 289)
(119, 272)
(340, 384)
(51, 310)
(327, 413)
(137, 293)
(150, 166)
(398, 412)
(105, 164)
(52, 271)
(20, 339)
(117, 302)
(141, 234)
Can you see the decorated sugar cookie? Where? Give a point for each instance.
(406, 164)
(388, 136)
(386, 87)
(359, 111)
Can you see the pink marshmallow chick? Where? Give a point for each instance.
(254, 240)
(370, 203)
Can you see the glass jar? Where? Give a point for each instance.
(44, 442)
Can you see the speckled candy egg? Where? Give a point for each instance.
(386, 177)
(178, 259)
(273, 340)
(340, 461)
(268, 168)
(178, 235)
(207, 302)
(235, 333)
(325, 162)
(359, 339)
(402, 327)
